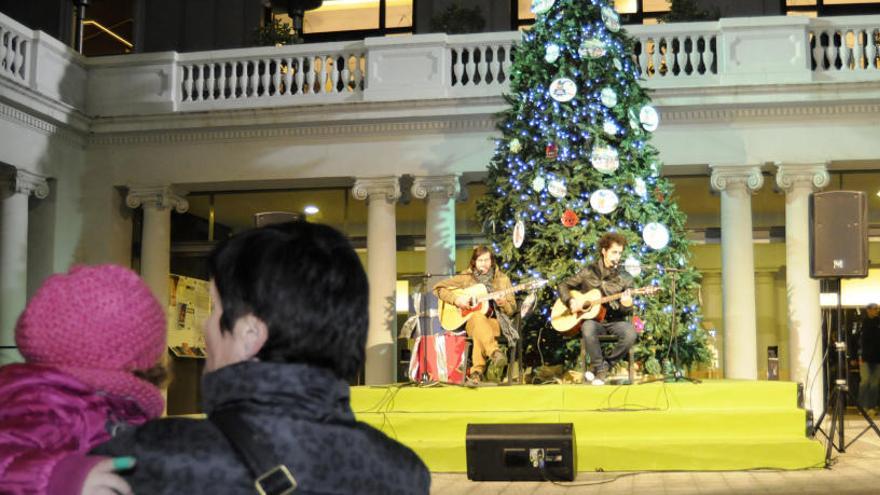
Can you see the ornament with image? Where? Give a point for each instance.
(563, 89)
(551, 53)
(604, 159)
(538, 183)
(551, 151)
(519, 233)
(604, 201)
(541, 6)
(611, 19)
(592, 48)
(557, 188)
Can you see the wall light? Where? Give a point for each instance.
(310, 209)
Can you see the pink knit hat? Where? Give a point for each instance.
(98, 323)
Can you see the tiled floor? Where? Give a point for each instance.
(855, 472)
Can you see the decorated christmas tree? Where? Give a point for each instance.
(575, 161)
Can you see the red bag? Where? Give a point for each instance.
(445, 358)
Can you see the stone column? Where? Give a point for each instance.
(157, 202)
(381, 195)
(736, 184)
(440, 193)
(16, 189)
(804, 314)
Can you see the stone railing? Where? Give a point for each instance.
(703, 57)
(842, 46)
(282, 75)
(15, 47)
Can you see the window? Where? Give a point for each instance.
(631, 11)
(356, 19)
(813, 8)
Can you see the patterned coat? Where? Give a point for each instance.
(305, 413)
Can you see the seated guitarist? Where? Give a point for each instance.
(604, 275)
(482, 329)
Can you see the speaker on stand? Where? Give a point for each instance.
(839, 249)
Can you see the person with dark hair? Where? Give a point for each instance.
(287, 331)
(869, 365)
(604, 274)
(92, 340)
(482, 328)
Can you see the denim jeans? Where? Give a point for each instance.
(869, 389)
(590, 331)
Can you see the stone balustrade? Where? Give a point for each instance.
(704, 56)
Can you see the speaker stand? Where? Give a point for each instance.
(839, 395)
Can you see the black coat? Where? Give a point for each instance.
(870, 340)
(303, 410)
(608, 280)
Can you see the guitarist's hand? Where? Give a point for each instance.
(463, 302)
(626, 299)
(574, 306)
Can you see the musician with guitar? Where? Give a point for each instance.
(604, 275)
(482, 327)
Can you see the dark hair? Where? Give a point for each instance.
(610, 238)
(306, 283)
(480, 250)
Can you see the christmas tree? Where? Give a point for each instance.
(575, 161)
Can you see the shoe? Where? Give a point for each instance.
(496, 366)
(589, 376)
(597, 382)
(475, 378)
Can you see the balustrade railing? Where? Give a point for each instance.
(481, 61)
(661, 53)
(15, 45)
(845, 45)
(292, 74)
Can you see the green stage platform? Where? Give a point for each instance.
(714, 425)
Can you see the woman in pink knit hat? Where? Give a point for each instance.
(91, 340)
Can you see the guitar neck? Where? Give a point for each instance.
(612, 297)
(503, 292)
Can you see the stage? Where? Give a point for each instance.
(714, 425)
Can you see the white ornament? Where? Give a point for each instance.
(557, 189)
(656, 235)
(608, 97)
(519, 233)
(610, 128)
(604, 159)
(649, 118)
(541, 6)
(592, 48)
(514, 146)
(617, 64)
(632, 266)
(611, 19)
(538, 183)
(641, 188)
(604, 201)
(551, 53)
(563, 89)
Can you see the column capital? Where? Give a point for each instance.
(813, 176)
(27, 183)
(724, 176)
(158, 197)
(387, 188)
(436, 186)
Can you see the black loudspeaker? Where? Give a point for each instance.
(521, 452)
(838, 234)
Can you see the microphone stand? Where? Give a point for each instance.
(677, 375)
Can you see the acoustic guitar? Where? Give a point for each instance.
(593, 308)
(452, 317)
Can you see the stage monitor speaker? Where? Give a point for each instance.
(521, 452)
(838, 234)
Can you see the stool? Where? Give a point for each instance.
(609, 338)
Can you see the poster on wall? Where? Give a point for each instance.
(189, 304)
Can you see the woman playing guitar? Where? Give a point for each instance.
(481, 328)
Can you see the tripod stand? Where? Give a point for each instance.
(838, 398)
